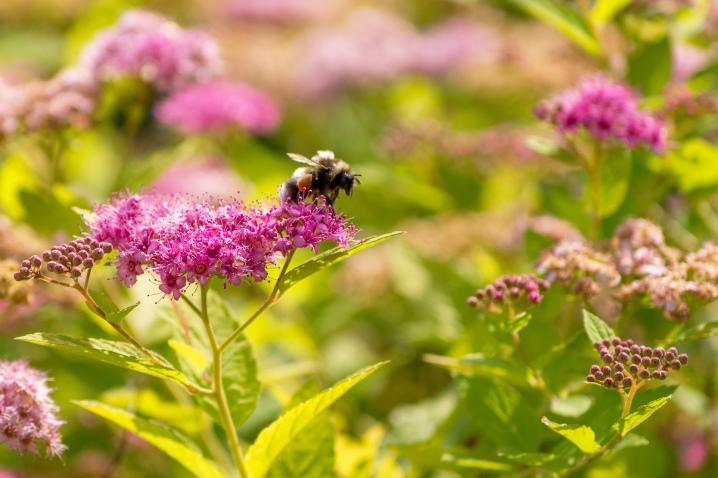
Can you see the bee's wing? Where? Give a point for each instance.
(302, 159)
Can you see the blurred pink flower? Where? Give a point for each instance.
(217, 107)
(273, 11)
(7, 474)
(154, 49)
(687, 60)
(200, 176)
(27, 413)
(693, 451)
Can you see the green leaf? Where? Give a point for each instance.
(580, 435)
(116, 317)
(563, 19)
(468, 461)
(615, 178)
(573, 406)
(478, 365)
(519, 322)
(530, 459)
(649, 67)
(596, 329)
(189, 354)
(103, 301)
(311, 454)
(170, 441)
(629, 441)
(328, 258)
(275, 438)
(501, 413)
(120, 354)
(693, 164)
(632, 420)
(604, 10)
(555, 352)
(699, 332)
(550, 149)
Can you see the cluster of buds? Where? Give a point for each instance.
(627, 365)
(511, 291)
(578, 267)
(639, 249)
(71, 259)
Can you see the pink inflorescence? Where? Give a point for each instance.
(154, 49)
(607, 109)
(185, 241)
(274, 11)
(217, 107)
(27, 413)
(515, 291)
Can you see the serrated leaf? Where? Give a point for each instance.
(530, 459)
(116, 317)
(311, 454)
(478, 365)
(604, 10)
(104, 302)
(170, 441)
(120, 354)
(632, 420)
(596, 329)
(699, 332)
(274, 438)
(573, 406)
(580, 435)
(328, 258)
(629, 441)
(501, 413)
(468, 461)
(563, 19)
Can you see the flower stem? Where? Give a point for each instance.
(594, 165)
(267, 304)
(218, 390)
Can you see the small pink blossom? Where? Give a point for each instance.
(27, 413)
(218, 107)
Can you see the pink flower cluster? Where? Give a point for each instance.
(274, 11)
(67, 100)
(186, 241)
(27, 413)
(217, 107)
(154, 49)
(374, 45)
(606, 109)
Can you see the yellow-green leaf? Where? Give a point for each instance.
(632, 420)
(580, 435)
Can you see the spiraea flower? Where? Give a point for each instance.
(607, 110)
(639, 249)
(71, 259)
(578, 267)
(626, 365)
(149, 47)
(274, 11)
(510, 294)
(218, 107)
(184, 240)
(28, 416)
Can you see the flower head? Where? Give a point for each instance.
(27, 413)
(149, 47)
(185, 240)
(510, 292)
(606, 109)
(217, 107)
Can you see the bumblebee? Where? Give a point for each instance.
(325, 176)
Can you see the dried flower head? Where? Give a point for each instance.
(626, 365)
(219, 107)
(578, 267)
(606, 109)
(28, 416)
(185, 240)
(510, 294)
(149, 47)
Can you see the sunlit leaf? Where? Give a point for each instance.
(596, 329)
(328, 258)
(478, 365)
(468, 461)
(698, 332)
(121, 354)
(531, 459)
(274, 438)
(580, 435)
(604, 10)
(170, 441)
(629, 441)
(632, 420)
(573, 406)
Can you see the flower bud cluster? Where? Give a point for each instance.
(28, 416)
(512, 291)
(578, 267)
(625, 364)
(70, 259)
(606, 109)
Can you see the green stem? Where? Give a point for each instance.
(218, 390)
(267, 304)
(594, 165)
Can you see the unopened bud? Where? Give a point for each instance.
(683, 358)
